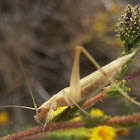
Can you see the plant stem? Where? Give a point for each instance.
(57, 126)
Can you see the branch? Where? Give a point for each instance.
(95, 99)
(124, 120)
(40, 129)
(63, 125)
(132, 75)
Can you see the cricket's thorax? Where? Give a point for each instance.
(59, 98)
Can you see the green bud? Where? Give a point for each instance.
(128, 27)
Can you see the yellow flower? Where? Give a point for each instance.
(96, 112)
(103, 133)
(4, 116)
(93, 112)
(78, 118)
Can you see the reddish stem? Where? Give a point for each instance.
(56, 126)
(40, 129)
(124, 119)
(96, 98)
(132, 75)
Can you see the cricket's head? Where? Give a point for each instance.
(40, 113)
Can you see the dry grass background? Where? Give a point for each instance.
(45, 32)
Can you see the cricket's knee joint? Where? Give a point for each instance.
(79, 48)
(76, 99)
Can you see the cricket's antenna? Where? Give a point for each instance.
(13, 44)
(17, 106)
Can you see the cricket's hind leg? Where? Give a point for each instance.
(93, 61)
(75, 91)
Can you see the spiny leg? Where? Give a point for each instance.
(93, 61)
(52, 107)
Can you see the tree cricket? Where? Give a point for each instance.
(85, 88)
(79, 90)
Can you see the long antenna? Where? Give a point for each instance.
(13, 44)
(17, 106)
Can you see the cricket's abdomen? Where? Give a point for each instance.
(92, 86)
(93, 83)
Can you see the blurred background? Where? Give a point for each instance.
(45, 34)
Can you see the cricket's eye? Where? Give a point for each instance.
(39, 110)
